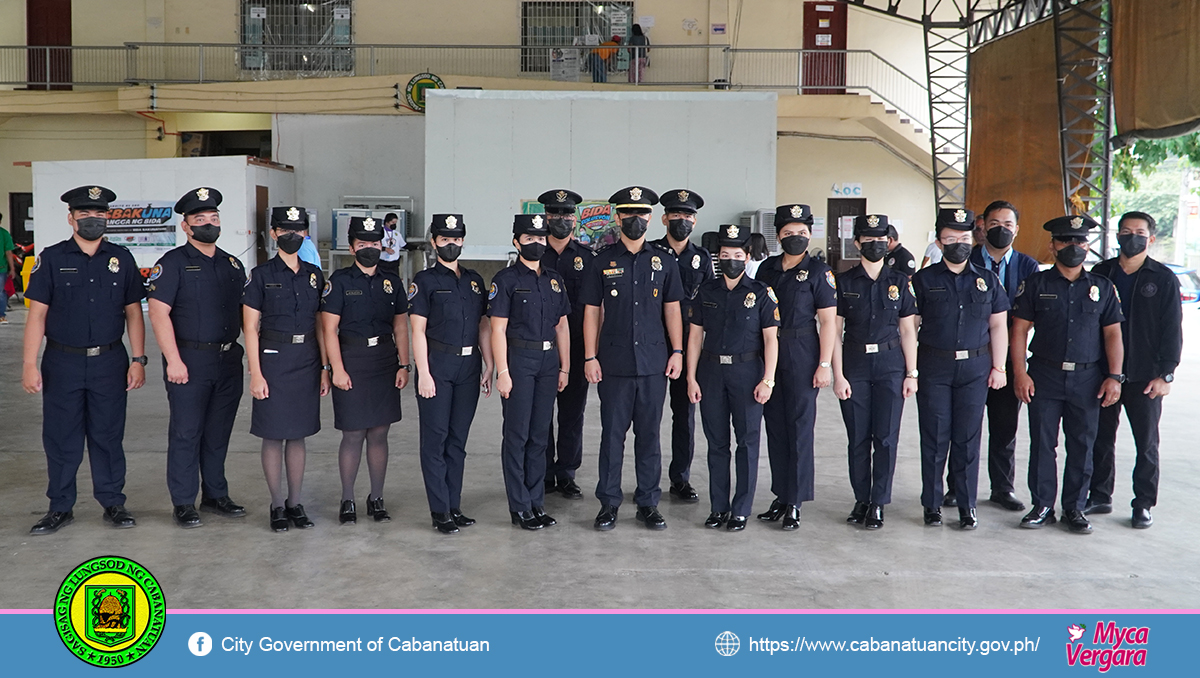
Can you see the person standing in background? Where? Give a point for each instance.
(640, 56)
(9, 264)
(898, 257)
(393, 242)
(757, 253)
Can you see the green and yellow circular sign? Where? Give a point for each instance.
(110, 611)
(414, 93)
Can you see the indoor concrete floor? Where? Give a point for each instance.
(406, 564)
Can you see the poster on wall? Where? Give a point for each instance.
(593, 227)
(564, 64)
(146, 227)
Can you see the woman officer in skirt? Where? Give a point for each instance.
(286, 354)
(363, 317)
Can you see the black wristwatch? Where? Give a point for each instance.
(141, 360)
(678, 350)
(1168, 377)
(1119, 378)
(406, 367)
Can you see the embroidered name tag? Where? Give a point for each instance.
(937, 289)
(192, 268)
(68, 270)
(443, 292)
(852, 295)
(274, 286)
(1047, 296)
(710, 304)
(521, 290)
(354, 293)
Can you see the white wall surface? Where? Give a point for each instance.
(486, 151)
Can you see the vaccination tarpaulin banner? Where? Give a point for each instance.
(594, 225)
(146, 227)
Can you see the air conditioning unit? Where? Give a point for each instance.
(762, 221)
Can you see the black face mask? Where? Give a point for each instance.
(206, 233)
(1071, 256)
(732, 268)
(680, 229)
(1132, 245)
(634, 227)
(999, 237)
(289, 242)
(794, 244)
(449, 251)
(873, 251)
(368, 256)
(560, 228)
(956, 253)
(91, 228)
(532, 251)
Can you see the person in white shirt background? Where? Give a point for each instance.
(393, 242)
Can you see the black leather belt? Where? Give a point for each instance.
(355, 341)
(873, 348)
(282, 338)
(956, 355)
(1065, 367)
(796, 332)
(435, 345)
(205, 346)
(89, 351)
(532, 345)
(729, 359)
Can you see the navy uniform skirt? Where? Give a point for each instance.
(292, 409)
(373, 399)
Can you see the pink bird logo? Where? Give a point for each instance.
(1076, 631)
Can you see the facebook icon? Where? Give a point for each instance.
(200, 643)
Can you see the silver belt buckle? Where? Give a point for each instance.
(297, 338)
(962, 355)
(372, 341)
(726, 359)
(93, 351)
(226, 347)
(872, 348)
(547, 345)
(1068, 367)
(466, 350)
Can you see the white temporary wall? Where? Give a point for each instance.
(486, 151)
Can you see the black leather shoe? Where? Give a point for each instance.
(736, 523)
(774, 513)
(874, 518)
(684, 492)
(715, 520)
(223, 506)
(650, 516)
(299, 517)
(186, 516)
(1094, 507)
(526, 520)
(50, 522)
(459, 519)
(569, 490)
(606, 519)
(1142, 518)
(540, 513)
(1007, 500)
(279, 521)
(551, 485)
(444, 523)
(933, 517)
(376, 510)
(1037, 517)
(791, 518)
(858, 513)
(349, 513)
(967, 520)
(1077, 522)
(951, 499)
(120, 518)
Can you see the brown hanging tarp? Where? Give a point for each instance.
(1156, 67)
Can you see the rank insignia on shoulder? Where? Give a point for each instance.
(312, 280)
(893, 292)
(981, 284)
(750, 300)
(387, 286)
(114, 265)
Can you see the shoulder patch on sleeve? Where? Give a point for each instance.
(912, 263)
(328, 288)
(911, 293)
(156, 272)
(493, 291)
(412, 290)
(829, 278)
(1021, 288)
(771, 293)
(248, 274)
(37, 263)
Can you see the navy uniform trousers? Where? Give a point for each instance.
(636, 401)
(1069, 398)
(683, 424)
(527, 413)
(445, 423)
(202, 415)
(1003, 417)
(789, 417)
(83, 398)
(565, 456)
(872, 416)
(1144, 414)
(729, 394)
(951, 395)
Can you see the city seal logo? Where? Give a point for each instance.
(830, 279)
(110, 611)
(412, 291)
(414, 92)
(328, 288)
(202, 194)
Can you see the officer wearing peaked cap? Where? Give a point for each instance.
(195, 309)
(84, 293)
(1075, 369)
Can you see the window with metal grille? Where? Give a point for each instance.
(561, 23)
(296, 36)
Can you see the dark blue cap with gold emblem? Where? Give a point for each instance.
(88, 197)
(532, 224)
(871, 225)
(289, 218)
(732, 235)
(203, 199)
(1070, 226)
(635, 199)
(955, 219)
(787, 214)
(560, 201)
(369, 229)
(448, 225)
(681, 200)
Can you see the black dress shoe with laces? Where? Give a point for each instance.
(651, 518)
(874, 519)
(950, 499)
(858, 513)
(376, 510)
(298, 517)
(1077, 522)
(459, 519)
(716, 519)
(1094, 507)
(606, 519)
(791, 518)
(1142, 518)
(348, 513)
(526, 520)
(684, 492)
(223, 506)
(540, 513)
(933, 516)
(1007, 501)
(50, 522)
(186, 516)
(568, 489)
(279, 521)
(444, 523)
(119, 517)
(774, 513)
(735, 524)
(1038, 517)
(967, 520)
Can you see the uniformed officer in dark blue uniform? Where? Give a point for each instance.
(963, 345)
(899, 259)
(195, 308)
(83, 294)
(531, 345)
(736, 321)
(289, 373)
(364, 316)
(627, 356)
(1075, 369)
(571, 260)
(874, 367)
(695, 267)
(1153, 337)
(452, 349)
(807, 295)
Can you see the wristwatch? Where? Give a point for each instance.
(1168, 377)
(327, 368)
(588, 360)
(678, 350)
(406, 367)
(826, 364)
(769, 382)
(1119, 378)
(141, 360)
(911, 374)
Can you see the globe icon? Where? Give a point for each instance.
(728, 644)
